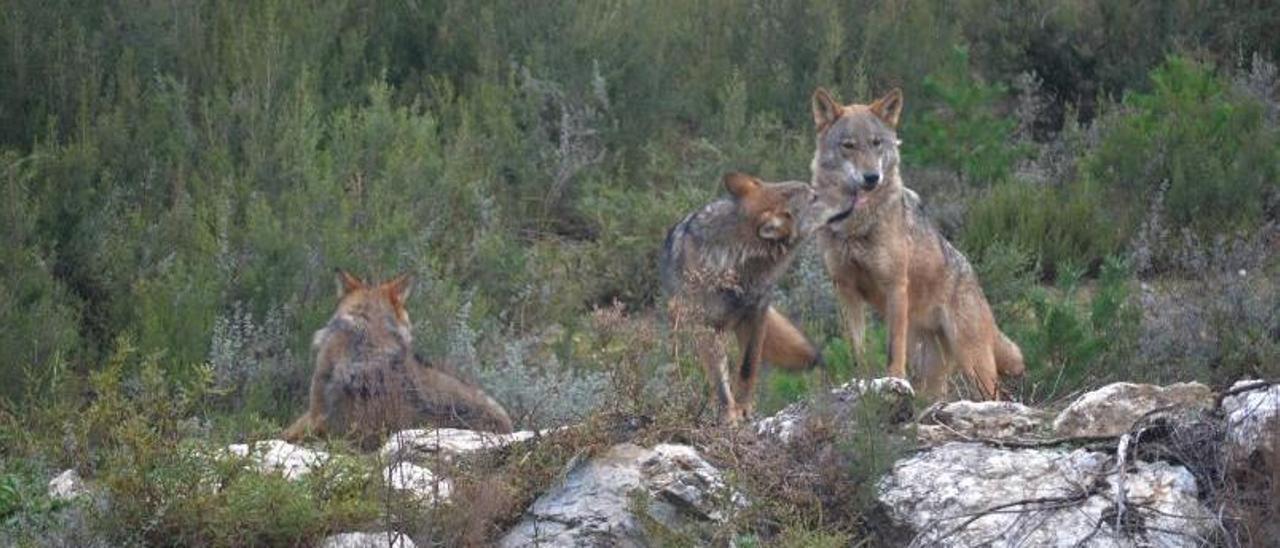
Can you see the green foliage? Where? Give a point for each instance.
(799, 537)
(963, 132)
(26, 511)
(1208, 142)
(188, 175)
(9, 497)
(167, 168)
(1083, 48)
(42, 322)
(1057, 225)
(839, 363)
(1070, 336)
(166, 479)
(871, 449)
(1007, 273)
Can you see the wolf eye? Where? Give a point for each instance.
(847, 145)
(877, 142)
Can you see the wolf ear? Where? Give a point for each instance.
(401, 286)
(347, 283)
(825, 108)
(889, 107)
(740, 185)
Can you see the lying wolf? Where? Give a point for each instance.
(367, 381)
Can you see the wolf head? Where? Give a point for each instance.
(376, 309)
(856, 161)
(781, 213)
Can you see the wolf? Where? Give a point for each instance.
(719, 266)
(367, 380)
(881, 249)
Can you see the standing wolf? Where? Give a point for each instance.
(881, 249)
(367, 380)
(720, 264)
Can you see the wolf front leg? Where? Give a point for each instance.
(896, 308)
(854, 310)
(308, 424)
(715, 366)
(751, 338)
(312, 421)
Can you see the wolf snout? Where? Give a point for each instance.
(870, 180)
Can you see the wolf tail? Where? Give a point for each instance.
(785, 346)
(1008, 357)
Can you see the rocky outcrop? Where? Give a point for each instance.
(1253, 421)
(407, 452)
(448, 442)
(789, 422)
(969, 494)
(368, 540)
(990, 420)
(1005, 474)
(1110, 470)
(418, 481)
(615, 498)
(278, 456)
(1113, 409)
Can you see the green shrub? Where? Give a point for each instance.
(9, 497)
(963, 132)
(1072, 337)
(162, 474)
(1056, 225)
(27, 514)
(1007, 273)
(1208, 142)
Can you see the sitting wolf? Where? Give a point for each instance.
(719, 266)
(884, 252)
(367, 381)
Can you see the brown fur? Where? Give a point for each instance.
(883, 251)
(719, 267)
(368, 382)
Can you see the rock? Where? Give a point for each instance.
(968, 494)
(418, 481)
(1112, 409)
(67, 486)
(368, 540)
(594, 505)
(785, 424)
(278, 456)
(1253, 422)
(448, 442)
(990, 420)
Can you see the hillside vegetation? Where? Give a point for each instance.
(180, 180)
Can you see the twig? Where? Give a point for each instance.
(1047, 503)
(1092, 442)
(1256, 385)
(1121, 450)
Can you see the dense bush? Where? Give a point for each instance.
(1207, 143)
(963, 132)
(1069, 339)
(168, 168)
(1058, 225)
(163, 479)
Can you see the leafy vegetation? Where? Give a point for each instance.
(179, 181)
